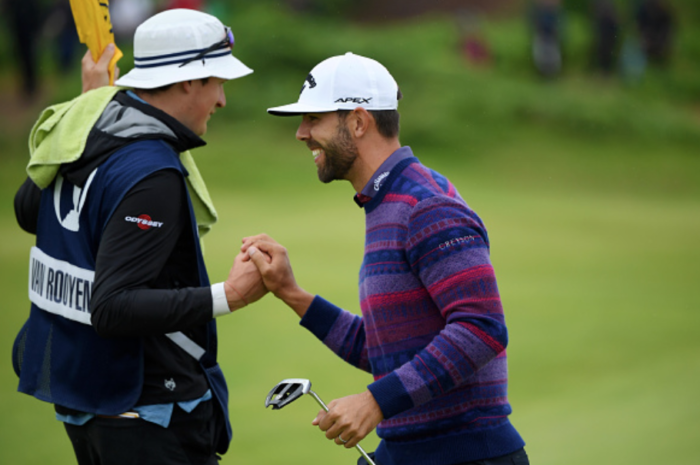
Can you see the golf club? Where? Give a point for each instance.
(289, 390)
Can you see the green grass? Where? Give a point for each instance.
(596, 278)
(591, 196)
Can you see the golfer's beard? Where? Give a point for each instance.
(340, 155)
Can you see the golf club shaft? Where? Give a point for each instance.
(325, 407)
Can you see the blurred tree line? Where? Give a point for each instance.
(39, 33)
(282, 40)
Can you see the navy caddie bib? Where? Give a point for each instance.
(57, 355)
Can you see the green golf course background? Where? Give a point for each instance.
(589, 188)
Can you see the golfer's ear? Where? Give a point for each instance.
(360, 121)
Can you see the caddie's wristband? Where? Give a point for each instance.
(219, 301)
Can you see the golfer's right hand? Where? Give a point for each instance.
(276, 271)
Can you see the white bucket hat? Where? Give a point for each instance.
(344, 82)
(181, 45)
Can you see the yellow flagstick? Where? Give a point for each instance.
(95, 29)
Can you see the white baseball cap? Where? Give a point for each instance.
(344, 82)
(181, 45)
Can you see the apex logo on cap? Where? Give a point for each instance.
(354, 99)
(312, 83)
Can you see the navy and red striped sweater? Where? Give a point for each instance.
(432, 330)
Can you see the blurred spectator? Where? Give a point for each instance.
(59, 29)
(656, 26)
(300, 5)
(633, 63)
(126, 15)
(546, 41)
(606, 25)
(24, 22)
(190, 4)
(474, 45)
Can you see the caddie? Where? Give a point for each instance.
(121, 335)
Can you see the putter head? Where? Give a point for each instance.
(286, 392)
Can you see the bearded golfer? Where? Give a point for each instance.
(432, 330)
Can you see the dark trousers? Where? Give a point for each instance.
(519, 457)
(188, 440)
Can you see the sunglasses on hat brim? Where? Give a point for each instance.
(227, 41)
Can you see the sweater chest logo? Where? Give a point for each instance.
(170, 384)
(144, 222)
(457, 241)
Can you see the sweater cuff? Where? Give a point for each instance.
(320, 316)
(219, 302)
(391, 395)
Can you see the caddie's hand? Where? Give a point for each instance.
(96, 75)
(349, 419)
(244, 284)
(277, 273)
